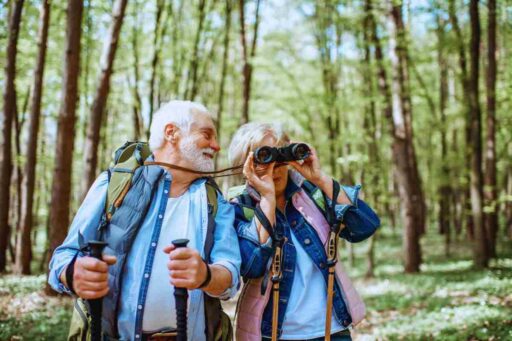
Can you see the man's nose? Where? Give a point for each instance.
(215, 145)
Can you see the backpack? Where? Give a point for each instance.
(126, 160)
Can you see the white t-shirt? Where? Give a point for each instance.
(159, 308)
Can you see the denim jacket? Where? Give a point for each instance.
(360, 223)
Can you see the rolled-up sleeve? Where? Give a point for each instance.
(86, 222)
(359, 219)
(255, 256)
(225, 250)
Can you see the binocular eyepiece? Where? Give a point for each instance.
(292, 152)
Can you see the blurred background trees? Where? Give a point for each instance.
(413, 99)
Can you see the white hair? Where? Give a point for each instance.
(250, 135)
(179, 113)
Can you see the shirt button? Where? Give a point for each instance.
(140, 307)
(160, 216)
(137, 336)
(153, 244)
(322, 265)
(166, 191)
(146, 275)
(294, 223)
(307, 241)
(346, 323)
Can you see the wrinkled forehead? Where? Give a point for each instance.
(203, 121)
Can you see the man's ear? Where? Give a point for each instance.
(171, 133)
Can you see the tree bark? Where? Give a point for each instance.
(480, 253)
(101, 96)
(61, 186)
(194, 62)
(225, 59)
(464, 79)
(247, 56)
(6, 120)
(24, 243)
(138, 122)
(411, 194)
(154, 61)
(444, 189)
(370, 126)
(490, 182)
(508, 204)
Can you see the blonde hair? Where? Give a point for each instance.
(249, 136)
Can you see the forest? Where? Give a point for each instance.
(412, 99)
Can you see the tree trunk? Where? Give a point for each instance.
(370, 126)
(194, 62)
(508, 204)
(490, 189)
(464, 79)
(225, 59)
(24, 243)
(6, 121)
(154, 61)
(138, 122)
(411, 194)
(480, 243)
(100, 98)
(247, 56)
(445, 189)
(61, 186)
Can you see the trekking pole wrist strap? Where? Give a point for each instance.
(208, 278)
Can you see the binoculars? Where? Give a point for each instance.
(292, 152)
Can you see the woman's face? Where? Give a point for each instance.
(280, 174)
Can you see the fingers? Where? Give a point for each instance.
(91, 294)
(169, 248)
(178, 265)
(109, 259)
(183, 253)
(90, 276)
(93, 264)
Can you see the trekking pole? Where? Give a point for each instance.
(332, 258)
(180, 298)
(96, 305)
(276, 279)
(332, 254)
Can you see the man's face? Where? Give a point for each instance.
(199, 146)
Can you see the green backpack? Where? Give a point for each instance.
(126, 160)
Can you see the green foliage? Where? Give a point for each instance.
(27, 313)
(447, 300)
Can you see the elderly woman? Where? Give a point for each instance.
(285, 219)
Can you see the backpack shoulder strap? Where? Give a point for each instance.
(212, 193)
(127, 159)
(315, 194)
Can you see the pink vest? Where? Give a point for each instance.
(251, 304)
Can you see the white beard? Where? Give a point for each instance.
(196, 157)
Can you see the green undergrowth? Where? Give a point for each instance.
(447, 300)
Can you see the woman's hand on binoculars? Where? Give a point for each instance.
(260, 177)
(310, 168)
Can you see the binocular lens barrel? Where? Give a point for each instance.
(292, 152)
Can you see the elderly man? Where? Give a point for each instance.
(136, 282)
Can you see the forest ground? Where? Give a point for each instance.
(448, 300)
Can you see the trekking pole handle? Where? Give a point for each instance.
(96, 249)
(181, 297)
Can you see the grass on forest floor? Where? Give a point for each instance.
(448, 300)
